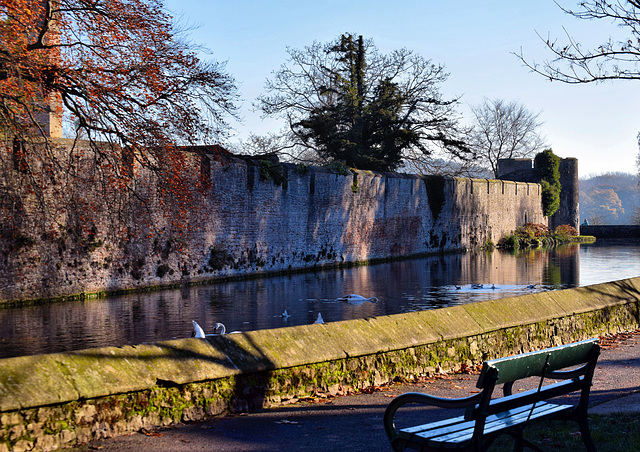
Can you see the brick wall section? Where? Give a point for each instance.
(244, 225)
(52, 401)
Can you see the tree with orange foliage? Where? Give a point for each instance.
(121, 72)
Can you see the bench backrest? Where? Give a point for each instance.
(512, 368)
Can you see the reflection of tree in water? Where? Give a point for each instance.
(553, 274)
(563, 269)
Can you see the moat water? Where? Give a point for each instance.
(401, 286)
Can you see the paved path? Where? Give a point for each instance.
(354, 422)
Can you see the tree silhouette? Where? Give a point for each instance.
(504, 130)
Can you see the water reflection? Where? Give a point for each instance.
(402, 286)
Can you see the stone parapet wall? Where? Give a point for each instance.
(248, 219)
(56, 400)
(609, 231)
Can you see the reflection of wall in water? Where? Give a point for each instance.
(496, 267)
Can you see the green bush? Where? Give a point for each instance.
(529, 235)
(534, 235)
(564, 232)
(510, 242)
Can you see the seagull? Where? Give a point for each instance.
(319, 319)
(357, 299)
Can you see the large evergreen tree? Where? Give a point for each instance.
(348, 103)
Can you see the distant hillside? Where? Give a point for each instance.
(610, 198)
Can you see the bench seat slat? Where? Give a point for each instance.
(457, 430)
(452, 425)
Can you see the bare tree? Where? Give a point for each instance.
(611, 60)
(504, 130)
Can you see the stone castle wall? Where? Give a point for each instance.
(523, 169)
(251, 217)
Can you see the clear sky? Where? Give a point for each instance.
(596, 123)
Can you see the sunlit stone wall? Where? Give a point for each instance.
(252, 219)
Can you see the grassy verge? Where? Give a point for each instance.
(619, 433)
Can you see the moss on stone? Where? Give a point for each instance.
(95, 393)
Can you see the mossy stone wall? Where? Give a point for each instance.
(51, 401)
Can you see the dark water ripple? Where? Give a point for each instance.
(403, 286)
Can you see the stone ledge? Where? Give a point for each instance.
(41, 380)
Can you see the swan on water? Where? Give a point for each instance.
(319, 319)
(357, 299)
(218, 330)
(197, 330)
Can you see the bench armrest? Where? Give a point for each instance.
(424, 399)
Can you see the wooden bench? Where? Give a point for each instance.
(485, 417)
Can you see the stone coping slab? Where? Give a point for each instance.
(40, 380)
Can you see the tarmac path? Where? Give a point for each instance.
(354, 422)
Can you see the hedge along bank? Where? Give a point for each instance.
(50, 401)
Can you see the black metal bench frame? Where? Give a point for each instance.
(486, 417)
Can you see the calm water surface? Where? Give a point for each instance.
(402, 286)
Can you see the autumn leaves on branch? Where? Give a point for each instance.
(123, 75)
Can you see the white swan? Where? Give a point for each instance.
(357, 299)
(218, 330)
(319, 319)
(197, 330)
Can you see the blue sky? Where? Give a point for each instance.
(596, 123)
